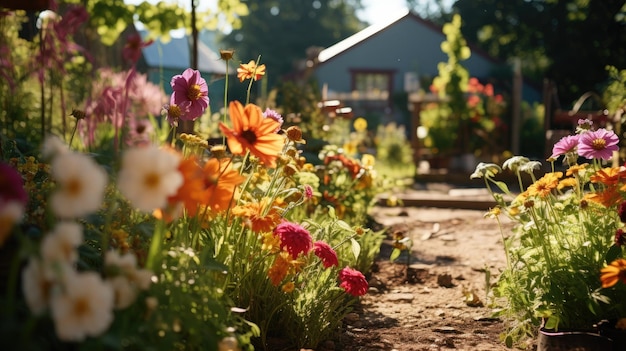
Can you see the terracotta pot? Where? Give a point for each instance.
(573, 341)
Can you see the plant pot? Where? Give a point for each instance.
(607, 329)
(573, 341)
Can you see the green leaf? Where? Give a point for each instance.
(331, 212)
(614, 253)
(356, 248)
(395, 254)
(502, 186)
(552, 323)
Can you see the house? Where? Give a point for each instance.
(378, 65)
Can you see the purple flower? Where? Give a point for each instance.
(598, 144)
(269, 113)
(191, 94)
(565, 145)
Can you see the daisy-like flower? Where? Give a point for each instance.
(173, 113)
(261, 216)
(81, 185)
(52, 146)
(189, 194)
(149, 175)
(58, 248)
(565, 145)
(36, 286)
(613, 273)
(83, 308)
(544, 185)
(13, 199)
(325, 253)
(127, 279)
(220, 182)
(294, 238)
(250, 71)
(279, 269)
(598, 144)
(353, 281)
(190, 93)
(254, 133)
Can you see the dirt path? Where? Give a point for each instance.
(442, 303)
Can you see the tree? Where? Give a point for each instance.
(282, 30)
(568, 41)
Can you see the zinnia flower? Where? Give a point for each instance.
(325, 253)
(353, 281)
(250, 71)
(220, 182)
(81, 185)
(294, 238)
(598, 144)
(262, 216)
(251, 131)
(613, 273)
(190, 93)
(149, 176)
(565, 145)
(83, 308)
(13, 199)
(279, 269)
(544, 185)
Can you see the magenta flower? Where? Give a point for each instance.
(308, 192)
(13, 200)
(353, 282)
(269, 113)
(598, 144)
(565, 145)
(191, 94)
(132, 49)
(325, 253)
(294, 238)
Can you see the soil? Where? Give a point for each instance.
(438, 297)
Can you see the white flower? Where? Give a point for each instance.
(58, 248)
(149, 175)
(129, 279)
(52, 146)
(81, 184)
(84, 308)
(36, 287)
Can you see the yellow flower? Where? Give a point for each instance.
(368, 160)
(360, 124)
(288, 287)
(576, 169)
(567, 182)
(544, 185)
(250, 71)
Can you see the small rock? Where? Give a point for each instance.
(400, 297)
(447, 330)
(440, 313)
(445, 280)
(351, 318)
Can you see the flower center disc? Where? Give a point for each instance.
(599, 144)
(194, 92)
(249, 136)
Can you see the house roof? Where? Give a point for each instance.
(176, 54)
(373, 30)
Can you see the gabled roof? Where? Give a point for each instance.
(366, 33)
(176, 54)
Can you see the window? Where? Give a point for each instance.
(372, 82)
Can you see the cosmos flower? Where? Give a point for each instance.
(598, 144)
(58, 248)
(353, 281)
(325, 253)
(250, 71)
(36, 286)
(83, 308)
(148, 176)
(128, 280)
(294, 238)
(252, 132)
(81, 183)
(190, 94)
(613, 273)
(564, 145)
(132, 49)
(220, 183)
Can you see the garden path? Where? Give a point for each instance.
(441, 302)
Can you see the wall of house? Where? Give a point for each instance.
(406, 46)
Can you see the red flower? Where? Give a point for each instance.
(294, 238)
(353, 281)
(325, 253)
(621, 211)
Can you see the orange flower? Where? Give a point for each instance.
(613, 273)
(250, 71)
(575, 169)
(252, 132)
(220, 181)
(608, 176)
(609, 197)
(189, 193)
(279, 269)
(567, 183)
(261, 216)
(544, 185)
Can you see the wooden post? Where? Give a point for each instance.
(516, 107)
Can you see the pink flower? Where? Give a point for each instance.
(353, 281)
(294, 238)
(132, 49)
(565, 145)
(269, 113)
(191, 94)
(325, 253)
(598, 144)
(308, 192)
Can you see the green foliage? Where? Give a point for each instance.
(392, 147)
